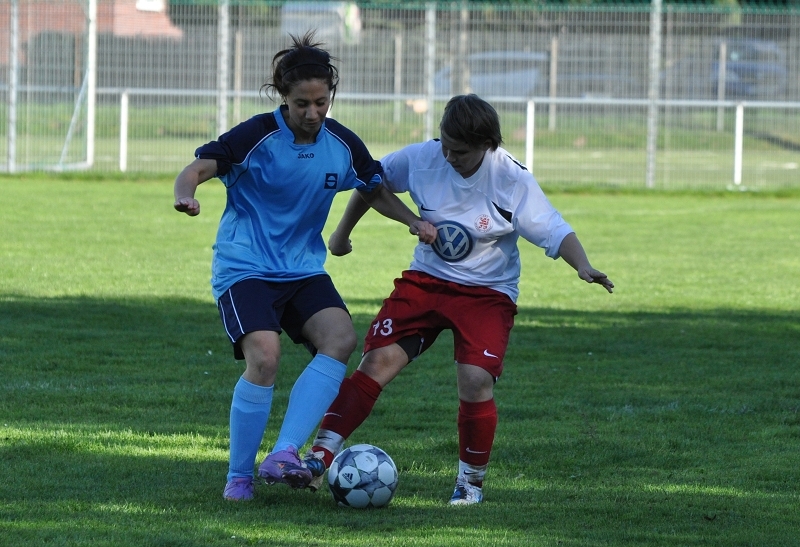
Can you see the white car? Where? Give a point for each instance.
(332, 22)
(499, 73)
(527, 74)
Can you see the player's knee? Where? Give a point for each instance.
(475, 384)
(340, 344)
(261, 368)
(475, 393)
(383, 364)
(349, 340)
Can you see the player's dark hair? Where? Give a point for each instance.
(470, 119)
(305, 60)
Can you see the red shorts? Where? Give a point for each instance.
(420, 304)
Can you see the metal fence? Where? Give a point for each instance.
(644, 95)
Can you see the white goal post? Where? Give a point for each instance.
(82, 121)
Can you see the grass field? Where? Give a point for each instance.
(666, 414)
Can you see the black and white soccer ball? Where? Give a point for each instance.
(362, 476)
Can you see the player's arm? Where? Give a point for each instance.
(573, 254)
(339, 242)
(187, 181)
(387, 204)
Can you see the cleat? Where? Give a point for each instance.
(285, 466)
(316, 465)
(466, 493)
(239, 489)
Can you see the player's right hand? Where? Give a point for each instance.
(590, 275)
(338, 245)
(190, 206)
(423, 229)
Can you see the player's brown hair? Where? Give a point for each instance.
(470, 119)
(304, 60)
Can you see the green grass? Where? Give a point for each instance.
(665, 414)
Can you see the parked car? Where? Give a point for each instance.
(527, 74)
(500, 73)
(754, 69)
(332, 22)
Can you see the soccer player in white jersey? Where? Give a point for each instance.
(481, 200)
(281, 171)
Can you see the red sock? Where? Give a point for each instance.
(477, 423)
(357, 396)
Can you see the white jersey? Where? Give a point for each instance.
(479, 219)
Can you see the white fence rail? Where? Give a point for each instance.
(653, 96)
(548, 103)
(530, 110)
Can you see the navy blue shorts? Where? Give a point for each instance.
(254, 304)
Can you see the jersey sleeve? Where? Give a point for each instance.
(535, 218)
(368, 171)
(397, 168)
(233, 146)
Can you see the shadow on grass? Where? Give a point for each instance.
(615, 429)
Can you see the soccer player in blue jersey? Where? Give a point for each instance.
(281, 171)
(482, 201)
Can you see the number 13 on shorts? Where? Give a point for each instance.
(382, 327)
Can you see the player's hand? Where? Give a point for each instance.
(338, 245)
(424, 230)
(190, 206)
(590, 275)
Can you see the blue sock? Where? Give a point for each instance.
(249, 414)
(312, 394)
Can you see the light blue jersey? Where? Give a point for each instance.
(279, 197)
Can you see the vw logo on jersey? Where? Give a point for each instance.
(453, 242)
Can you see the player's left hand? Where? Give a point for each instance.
(590, 275)
(424, 230)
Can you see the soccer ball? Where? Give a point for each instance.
(362, 476)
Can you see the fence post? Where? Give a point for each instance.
(123, 131)
(223, 38)
(529, 129)
(237, 77)
(551, 118)
(721, 77)
(430, 66)
(737, 145)
(13, 81)
(398, 74)
(460, 63)
(652, 92)
(91, 83)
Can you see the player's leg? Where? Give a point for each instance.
(477, 422)
(404, 327)
(357, 397)
(329, 334)
(242, 313)
(482, 320)
(251, 405)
